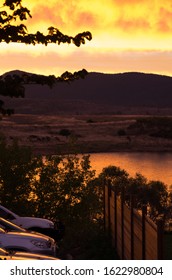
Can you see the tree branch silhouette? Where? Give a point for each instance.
(11, 12)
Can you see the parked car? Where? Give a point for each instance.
(41, 225)
(13, 255)
(9, 226)
(27, 242)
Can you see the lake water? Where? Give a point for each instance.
(154, 166)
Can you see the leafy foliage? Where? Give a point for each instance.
(154, 194)
(56, 187)
(51, 187)
(153, 126)
(64, 187)
(114, 176)
(17, 169)
(18, 33)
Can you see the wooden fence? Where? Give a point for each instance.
(134, 235)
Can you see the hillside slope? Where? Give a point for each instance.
(98, 92)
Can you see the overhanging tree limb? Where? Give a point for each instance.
(13, 86)
(19, 34)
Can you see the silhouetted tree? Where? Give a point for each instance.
(17, 170)
(115, 176)
(151, 193)
(52, 187)
(13, 12)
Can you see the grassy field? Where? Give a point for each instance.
(53, 134)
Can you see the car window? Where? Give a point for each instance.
(6, 225)
(2, 226)
(6, 215)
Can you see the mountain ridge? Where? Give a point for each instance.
(98, 92)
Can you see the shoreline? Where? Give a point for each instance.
(49, 151)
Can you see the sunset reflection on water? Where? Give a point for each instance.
(154, 166)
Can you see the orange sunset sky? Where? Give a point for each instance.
(128, 35)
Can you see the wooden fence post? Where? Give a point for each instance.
(132, 202)
(144, 213)
(109, 218)
(104, 205)
(160, 238)
(115, 217)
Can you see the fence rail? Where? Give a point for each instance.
(133, 234)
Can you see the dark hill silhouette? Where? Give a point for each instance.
(98, 92)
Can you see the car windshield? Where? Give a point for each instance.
(8, 226)
(6, 215)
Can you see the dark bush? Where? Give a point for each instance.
(90, 121)
(65, 132)
(121, 132)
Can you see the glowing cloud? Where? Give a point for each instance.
(131, 33)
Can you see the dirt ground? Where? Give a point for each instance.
(54, 134)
